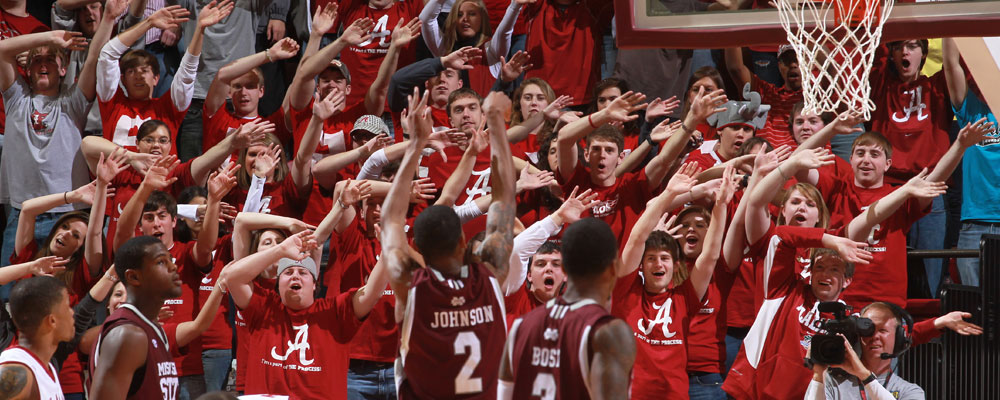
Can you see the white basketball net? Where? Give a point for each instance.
(835, 58)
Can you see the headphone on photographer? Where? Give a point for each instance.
(904, 328)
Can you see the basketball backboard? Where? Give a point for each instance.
(686, 24)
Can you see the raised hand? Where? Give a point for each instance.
(921, 188)
(355, 191)
(764, 163)
(497, 103)
(252, 133)
(463, 58)
(214, 12)
(283, 49)
(955, 321)
(158, 174)
(324, 18)
(358, 32)
(683, 180)
(114, 8)
(554, 109)
(221, 182)
(668, 223)
(442, 139)
(298, 246)
(168, 18)
(706, 104)
(226, 212)
(530, 181)
(266, 161)
(847, 122)
(727, 187)
(48, 266)
(296, 226)
(108, 168)
(513, 68)
(811, 159)
(850, 250)
(624, 105)
(69, 40)
(661, 108)
(524, 2)
(330, 105)
(402, 35)
(420, 115)
(974, 132)
(422, 190)
(664, 130)
(574, 206)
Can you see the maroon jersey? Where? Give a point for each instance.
(158, 379)
(552, 346)
(452, 336)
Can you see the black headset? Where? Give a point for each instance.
(904, 329)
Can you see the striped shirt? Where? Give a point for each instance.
(776, 130)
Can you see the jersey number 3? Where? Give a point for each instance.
(464, 382)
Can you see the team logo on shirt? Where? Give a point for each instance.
(551, 334)
(604, 208)
(38, 123)
(301, 345)
(663, 319)
(480, 188)
(916, 105)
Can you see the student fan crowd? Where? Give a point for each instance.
(462, 199)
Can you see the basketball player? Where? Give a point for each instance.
(131, 359)
(573, 348)
(451, 312)
(39, 308)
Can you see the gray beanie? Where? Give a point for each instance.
(306, 263)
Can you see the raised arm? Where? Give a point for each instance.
(551, 112)
(460, 176)
(429, 25)
(499, 44)
(735, 239)
(109, 73)
(247, 222)
(218, 91)
(368, 296)
(702, 106)
(32, 208)
(303, 84)
(301, 168)
(94, 244)
(219, 185)
(618, 111)
(156, 179)
(861, 227)
(10, 48)
(49, 266)
(240, 274)
(348, 193)
(246, 135)
(681, 182)
(322, 21)
(326, 170)
(846, 123)
(190, 330)
(971, 134)
(734, 64)
(758, 219)
(87, 81)
(704, 265)
(496, 247)
(954, 74)
(93, 147)
(402, 35)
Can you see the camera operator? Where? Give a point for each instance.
(871, 376)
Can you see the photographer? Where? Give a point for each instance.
(871, 376)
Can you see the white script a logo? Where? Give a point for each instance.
(662, 317)
(301, 344)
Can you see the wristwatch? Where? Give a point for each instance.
(871, 378)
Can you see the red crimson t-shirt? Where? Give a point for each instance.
(302, 353)
(706, 344)
(260, 287)
(185, 307)
(127, 182)
(279, 198)
(660, 325)
(363, 61)
(563, 43)
(519, 303)
(706, 156)
(776, 129)
(121, 118)
(620, 204)
(221, 123)
(220, 334)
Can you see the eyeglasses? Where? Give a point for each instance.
(150, 141)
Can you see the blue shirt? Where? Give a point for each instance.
(980, 175)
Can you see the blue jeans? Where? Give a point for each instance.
(706, 387)
(928, 234)
(191, 387)
(370, 380)
(610, 53)
(734, 340)
(43, 225)
(216, 363)
(765, 66)
(968, 238)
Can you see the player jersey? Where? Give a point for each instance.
(620, 204)
(776, 128)
(378, 338)
(660, 325)
(121, 118)
(302, 353)
(885, 277)
(785, 324)
(363, 61)
(564, 36)
(46, 381)
(158, 379)
(452, 336)
(550, 351)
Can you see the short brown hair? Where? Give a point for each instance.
(699, 210)
(825, 252)
(797, 108)
(662, 241)
(462, 93)
(52, 49)
(139, 58)
(609, 133)
(750, 143)
(812, 193)
(873, 138)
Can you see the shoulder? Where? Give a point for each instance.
(614, 337)
(16, 381)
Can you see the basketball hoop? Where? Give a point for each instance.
(835, 52)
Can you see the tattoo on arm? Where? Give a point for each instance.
(12, 381)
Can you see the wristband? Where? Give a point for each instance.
(871, 378)
(686, 129)
(342, 205)
(267, 55)
(782, 172)
(591, 121)
(65, 200)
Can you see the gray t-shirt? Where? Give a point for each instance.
(227, 41)
(845, 387)
(42, 144)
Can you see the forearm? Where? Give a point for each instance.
(375, 98)
(861, 226)
(634, 159)
(209, 234)
(734, 64)
(301, 168)
(129, 218)
(94, 245)
(242, 272)
(953, 72)
(202, 321)
(14, 272)
(203, 165)
(11, 47)
(430, 29)
(735, 240)
(182, 87)
(372, 167)
(521, 132)
(525, 246)
(458, 178)
(241, 66)
(944, 168)
(500, 42)
(821, 138)
(325, 171)
(408, 77)
(704, 265)
(370, 294)
(397, 199)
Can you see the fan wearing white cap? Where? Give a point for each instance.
(300, 342)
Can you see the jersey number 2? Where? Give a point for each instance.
(544, 386)
(464, 382)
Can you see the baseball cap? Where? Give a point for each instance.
(306, 263)
(367, 127)
(340, 66)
